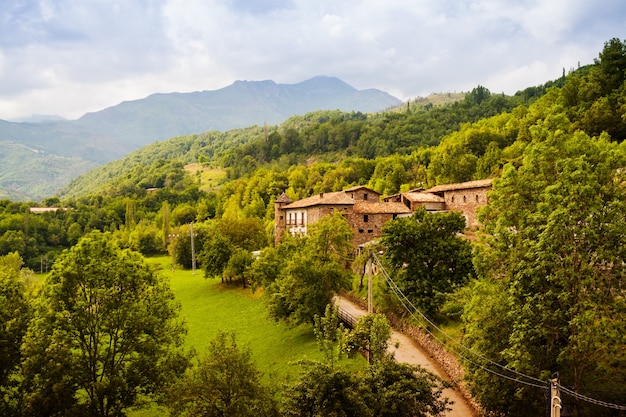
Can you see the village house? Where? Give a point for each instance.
(366, 213)
(464, 197)
(361, 206)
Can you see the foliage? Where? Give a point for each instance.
(315, 271)
(553, 270)
(429, 257)
(330, 335)
(386, 388)
(105, 329)
(225, 383)
(15, 314)
(371, 334)
(325, 391)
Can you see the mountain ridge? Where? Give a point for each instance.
(99, 137)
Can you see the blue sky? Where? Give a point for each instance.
(70, 57)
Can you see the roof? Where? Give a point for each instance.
(423, 197)
(360, 187)
(333, 199)
(461, 186)
(43, 209)
(380, 208)
(284, 199)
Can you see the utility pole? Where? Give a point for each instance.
(555, 398)
(193, 251)
(370, 292)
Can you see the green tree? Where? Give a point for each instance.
(238, 266)
(324, 391)
(371, 334)
(226, 383)
(215, 255)
(553, 265)
(105, 329)
(402, 390)
(14, 318)
(314, 274)
(330, 335)
(430, 259)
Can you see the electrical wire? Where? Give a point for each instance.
(413, 309)
(537, 382)
(581, 397)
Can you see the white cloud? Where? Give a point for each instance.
(67, 57)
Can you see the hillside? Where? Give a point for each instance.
(109, 134)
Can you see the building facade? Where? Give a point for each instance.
(366, 213)
(464, 197)
(361, 206)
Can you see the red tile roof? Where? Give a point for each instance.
(461, 186)
(333, 198)
(423, 197)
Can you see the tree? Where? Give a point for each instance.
(314, 274)
(552, 268)
(402, 390)
(14, 318)
(105, 329)
(225, 383)
(324, 391)
(370, 334)
(215, 255)
(429, 257)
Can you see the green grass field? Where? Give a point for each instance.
(208, 307)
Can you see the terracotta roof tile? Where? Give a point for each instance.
(361, 187)
(284, 199)
(423, 197)
(333, 198)
(461, 186)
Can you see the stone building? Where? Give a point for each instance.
(464, 197)
(361, 207)
(366, 213)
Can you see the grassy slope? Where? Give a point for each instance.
(208, 307)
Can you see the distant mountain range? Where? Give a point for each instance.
(71, 147)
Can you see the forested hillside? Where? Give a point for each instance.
(106, 135)
(547, 290)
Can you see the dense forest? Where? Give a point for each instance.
(543, 291)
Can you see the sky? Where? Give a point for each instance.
(68, 57)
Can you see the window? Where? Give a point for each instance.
(370, 231)
(452, 199)
(365, 196)
(477, 198)
(365, 218)
(464, 199)
(360, 230)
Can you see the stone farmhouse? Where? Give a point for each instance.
(464, 197)
(366, 212)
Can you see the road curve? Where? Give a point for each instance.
(405, 350)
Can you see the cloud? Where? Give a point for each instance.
(68, 57)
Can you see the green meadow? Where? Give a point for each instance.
(209, 306)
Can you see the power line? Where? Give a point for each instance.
(537, 382)
(404, 300)
(581, 397)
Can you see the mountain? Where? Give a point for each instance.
(109, 134)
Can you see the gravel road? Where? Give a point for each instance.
(405, 350)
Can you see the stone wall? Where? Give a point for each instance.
(467, 201)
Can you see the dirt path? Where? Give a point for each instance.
(405, 350)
